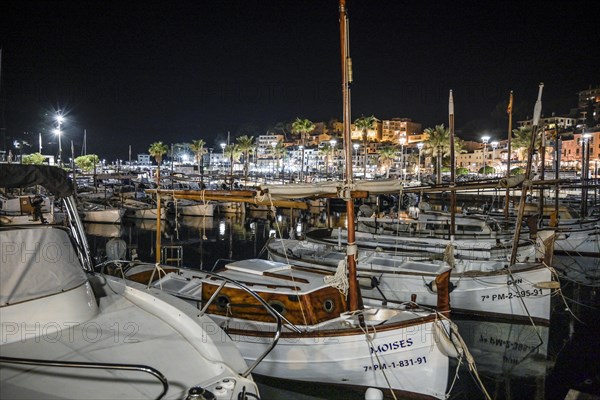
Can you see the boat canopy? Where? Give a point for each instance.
(54, 179)
(304, 190)
(37, 262)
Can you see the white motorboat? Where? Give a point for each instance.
(21, 209)
(70, 333)
(478, 287)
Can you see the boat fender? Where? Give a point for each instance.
(445, 342)
(548, 285)
(368, 282)
(433, 287)
(373, 394)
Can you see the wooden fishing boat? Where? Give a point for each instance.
(477, 287)
(403, 349)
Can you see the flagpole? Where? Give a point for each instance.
(537, 110)
(452, 167)
(509, 111)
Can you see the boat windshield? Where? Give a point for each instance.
(37, 262)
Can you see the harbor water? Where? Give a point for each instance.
(513, 360)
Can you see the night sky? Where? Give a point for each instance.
(135, 72)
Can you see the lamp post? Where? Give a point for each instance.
(356, 146)
(494, 147)
(402, 142)
(273, 145)
(333, 143)
(420, 147)
(485, 140)
(585, 169)
(223, 145)
(301, 170)
(57, 131)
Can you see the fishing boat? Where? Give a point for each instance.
(477, 287)
(403, 349)
(430, 223)
(232, 207)
(98, 213)
(192, 208)
(69, 332)
(487, 248)
(136, 209)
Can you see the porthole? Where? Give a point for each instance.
(222, 302)
(328, 305)
(278, 306)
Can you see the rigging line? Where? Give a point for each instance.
(522, 300)
(274, 209)
(564, 299)
(466, 353)
(369, 338)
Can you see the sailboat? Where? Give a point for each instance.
(330, 335)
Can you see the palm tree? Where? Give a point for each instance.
(279, 152)
(303, 127)
(326, 150)
(158, 150)
(522, 140)
(232, 151)
(364, 124)
(246, 145)
(199, 150)
(437, 143)
(387, 154)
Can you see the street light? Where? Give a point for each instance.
(333, 143)
(223, 145)
(402, 142)
(59, 121)
(585, 169)
(420, 147)
(494, 147)
(273, 145)
(356, 147)
(485, 140)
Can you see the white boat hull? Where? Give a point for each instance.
(408, 358)
(109, 216)
(198, 210)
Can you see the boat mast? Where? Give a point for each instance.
(354, 301)
(507, 197)
(452, 167)
(537, 110)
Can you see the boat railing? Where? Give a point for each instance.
(92, 365)
(278, 317)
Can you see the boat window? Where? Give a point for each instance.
(328, 305)
(222, 302)
(278, 306)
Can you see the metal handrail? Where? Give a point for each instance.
(92, 365)
(278, 317)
